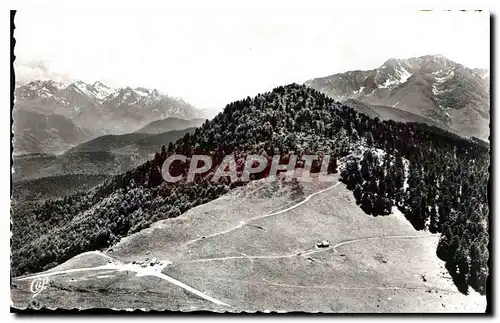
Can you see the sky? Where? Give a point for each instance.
(214, 56)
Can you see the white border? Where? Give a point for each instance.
(196, 5)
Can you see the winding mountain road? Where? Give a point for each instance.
(156, 271)
(305, 253)
(247, 221)
(140, 271)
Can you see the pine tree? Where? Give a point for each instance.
(163, 153)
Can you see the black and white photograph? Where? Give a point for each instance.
(243, 160)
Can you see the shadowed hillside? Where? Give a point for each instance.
(105, 155)
(169, 124)
(54, 187)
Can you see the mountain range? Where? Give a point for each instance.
(433, 87)
(104, 155)
(51, 117)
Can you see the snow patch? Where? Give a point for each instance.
(441, 77)
(402, 75)
(359, 91)
(142, 91)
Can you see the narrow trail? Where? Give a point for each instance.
(334, 248)
(108, 267)
(264, 281)
(157, 271)
(357, 288)
(95, 252)
(305, 253)
(140, 271)
(245, 222)
(255, 190)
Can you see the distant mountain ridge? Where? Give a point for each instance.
(159, 126)
(97, 91)
(92, 110)
(431, 86)
(104, 155)
(45, 133)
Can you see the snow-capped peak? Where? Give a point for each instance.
(35, 85)
(40, 89)
(97, 91)
(143, 91)
(82, 87)
(80, 93)
(147, 92)
(101, 91)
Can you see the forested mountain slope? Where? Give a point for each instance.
(24, 166)
(442, 188)
(54, 187)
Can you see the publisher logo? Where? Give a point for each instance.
(38, 285)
